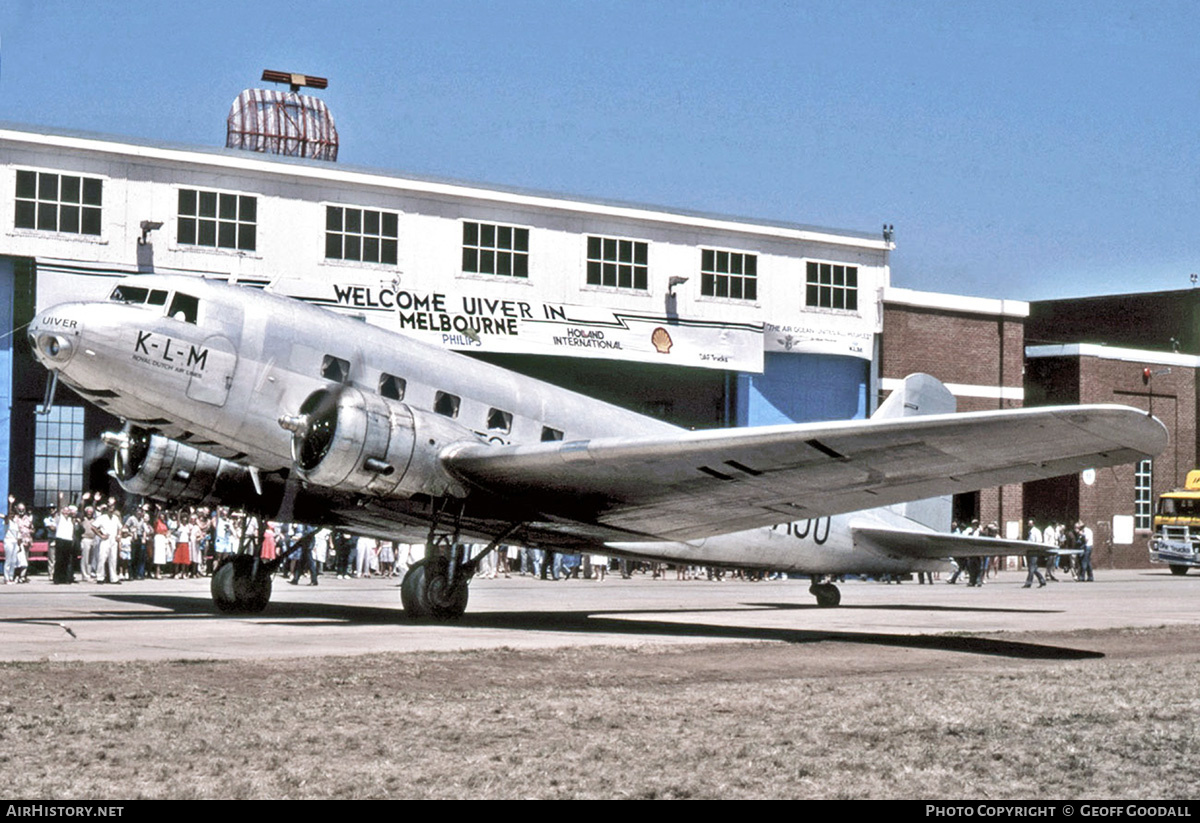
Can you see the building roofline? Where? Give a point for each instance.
(955, 302)
(1168, 293)
(1114, 353)
(324, 170)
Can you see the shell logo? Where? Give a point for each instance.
(661, 340)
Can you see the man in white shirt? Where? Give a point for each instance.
(108, 530)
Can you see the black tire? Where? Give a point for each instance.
(446, 601)
(241, 585)
(412, 591)
(221, 587)
(828, 595)
(251, 583)
(1177, 569)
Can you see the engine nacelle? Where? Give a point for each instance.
(358, 441)
(150, 465)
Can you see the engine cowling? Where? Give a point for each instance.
(353, 440)
(150, 465)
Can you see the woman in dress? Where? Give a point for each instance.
(161, 544)
(269, 542)
(181, 540)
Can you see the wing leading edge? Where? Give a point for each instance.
(696, 484)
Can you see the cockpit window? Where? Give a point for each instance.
(184, 307)
(129, 294)
(138, 295)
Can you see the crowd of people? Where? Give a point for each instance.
(97, 540)
(1070, 551)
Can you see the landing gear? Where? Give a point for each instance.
(436, 587)
(1178, 569)
(242, 584)
(827, 594)
(429, 591)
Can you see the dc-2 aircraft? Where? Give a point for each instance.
(251, 399)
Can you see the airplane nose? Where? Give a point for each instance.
(54, 336)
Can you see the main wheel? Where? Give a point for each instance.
(446, 601)
(412, 592)
(1177, 569)
(222, 590)
(241, 585)
(251, 585)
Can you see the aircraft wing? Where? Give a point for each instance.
(903, 543)
(694, 484)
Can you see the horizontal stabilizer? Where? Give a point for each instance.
(923, 545)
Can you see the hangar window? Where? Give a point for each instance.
(550, 435)
(446, 404)
(728, 274)
(361, 234)
(491, 249)
(832, 286)
(618, 263)
(57, 454)
(58, 202)
(218, 220)
(391, 386)
(1143, 495)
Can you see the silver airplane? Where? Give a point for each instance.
(251, 399)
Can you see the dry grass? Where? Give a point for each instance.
(721, 721)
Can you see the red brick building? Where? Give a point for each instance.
(1118, 502)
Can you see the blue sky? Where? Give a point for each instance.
(1022, 149)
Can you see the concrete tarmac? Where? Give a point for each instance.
(174, 619)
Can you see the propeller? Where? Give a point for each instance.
(312, 431)
(130, 446)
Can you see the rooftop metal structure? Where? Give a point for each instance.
(283, 122)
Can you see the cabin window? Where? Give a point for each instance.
(618, 263)
(550, 435)
(218, 220)
(335, 369)
(728, 274)
(499, 421)
(361, 234)
(492, 249)
(184, 307)
(58, 202)
(391, 386)
(446, 404)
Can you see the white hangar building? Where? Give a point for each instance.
(700, 319)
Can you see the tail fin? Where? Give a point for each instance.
(921, 394)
